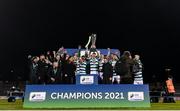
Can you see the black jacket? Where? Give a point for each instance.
(56, 74)
(107, 70)
(69, 69)
(42, 70)
(123, 67)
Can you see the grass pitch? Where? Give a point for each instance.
(18, 105)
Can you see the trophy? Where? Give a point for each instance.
(92, 39)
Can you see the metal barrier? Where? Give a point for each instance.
(162, 96)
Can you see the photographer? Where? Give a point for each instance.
(123, 68)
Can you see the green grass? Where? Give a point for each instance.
(4, 104)
(18, 105)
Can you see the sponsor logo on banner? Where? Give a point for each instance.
(83, 52)
(135, 96)
(86, 79)
(37, 96)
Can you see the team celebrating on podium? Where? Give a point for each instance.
(61, 68)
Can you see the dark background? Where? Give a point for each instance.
(147, 27)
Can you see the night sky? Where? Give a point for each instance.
(147, 27)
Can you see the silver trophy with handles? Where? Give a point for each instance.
(92, 39)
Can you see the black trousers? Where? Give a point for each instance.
(69, 80)
(106, 80)
(126, 80)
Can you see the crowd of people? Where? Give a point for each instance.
(61, 68)
(58, 67)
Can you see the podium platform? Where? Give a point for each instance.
(86, 96)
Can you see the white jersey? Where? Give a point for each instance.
(100, 68)
(137, 71)
(81, 68)
(94, 66)
(113, 65)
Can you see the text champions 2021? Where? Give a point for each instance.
(87, 95)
